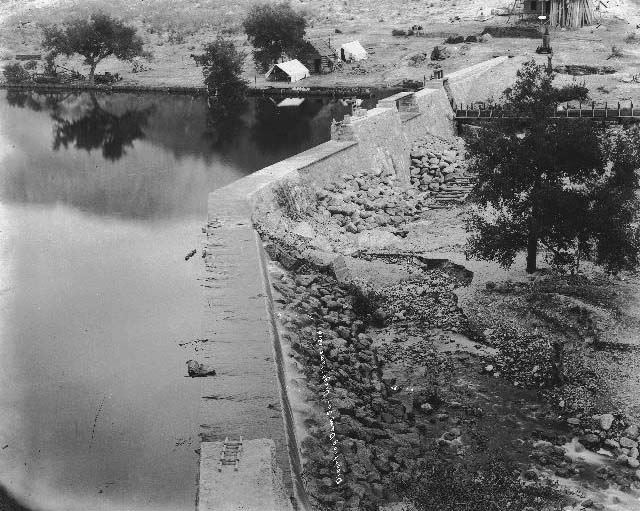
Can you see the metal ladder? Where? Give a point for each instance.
(230, 454)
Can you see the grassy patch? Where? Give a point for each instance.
(490, 482)
(293, 199)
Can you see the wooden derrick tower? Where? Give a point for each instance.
(560, 13)
(571, 13)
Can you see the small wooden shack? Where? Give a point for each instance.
(561, 13)
(318, 56)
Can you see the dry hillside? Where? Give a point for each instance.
(173, 30)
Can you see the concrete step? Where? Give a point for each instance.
(256, 485)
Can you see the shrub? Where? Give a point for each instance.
(398, 32)
(417, 59)
(573, 92)
(471, 39)
(15, 73)
(632, 38)
(519, 31)
(50, 64)
(294, 199)
(454, 39)
(175, 37)
(581, 69)
(615, 53)
(437, 53)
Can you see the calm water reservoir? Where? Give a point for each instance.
(101, 198)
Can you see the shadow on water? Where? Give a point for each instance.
(9, 503)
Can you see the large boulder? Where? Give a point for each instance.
(195, 369)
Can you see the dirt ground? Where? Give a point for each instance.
(173, 31)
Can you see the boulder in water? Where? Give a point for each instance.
(196, 369)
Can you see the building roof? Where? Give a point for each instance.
(322, 47)
(290, 102)
(294, 68)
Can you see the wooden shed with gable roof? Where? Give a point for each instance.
(318, 56)
(291, 71)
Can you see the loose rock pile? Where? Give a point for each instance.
(440, 169)
(371, 200)
(367, 201)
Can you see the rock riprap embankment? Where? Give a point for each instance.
(381, 428)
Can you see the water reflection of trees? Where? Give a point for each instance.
(93, 128)
(100, 129)
(278, 128)
(225, 120)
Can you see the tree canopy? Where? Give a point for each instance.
(566, 185)
(222, 68)
(274, 30)
(95, 39)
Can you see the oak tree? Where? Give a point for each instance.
(564, 185)
(274, 30)
(95, 39)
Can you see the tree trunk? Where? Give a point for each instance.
(532, 251)
(92, 73)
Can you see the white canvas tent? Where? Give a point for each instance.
(352, 52)
(291, 71)
(287, 102)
